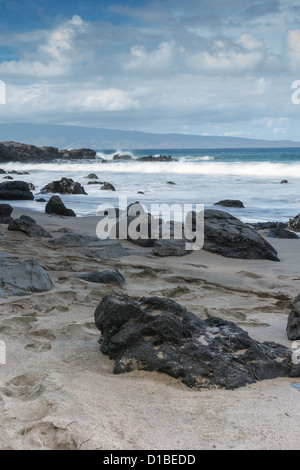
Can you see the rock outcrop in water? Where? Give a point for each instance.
(25, 153)
(294, 224)
(230, 203)
(64, 186)
(157, 334)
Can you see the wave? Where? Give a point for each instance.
(257, 169)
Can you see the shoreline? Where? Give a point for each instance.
(58, 391)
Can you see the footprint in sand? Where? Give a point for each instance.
(27, 387)
(42, 341)
(47, 436)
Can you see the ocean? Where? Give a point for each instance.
(200, 177)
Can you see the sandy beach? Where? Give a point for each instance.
(58, 391)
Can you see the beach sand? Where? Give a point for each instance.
(57, 390)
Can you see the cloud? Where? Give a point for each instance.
(158, 60)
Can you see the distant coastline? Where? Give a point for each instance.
(70, 137)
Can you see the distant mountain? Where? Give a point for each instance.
(71, 137)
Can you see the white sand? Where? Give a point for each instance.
(57, 390)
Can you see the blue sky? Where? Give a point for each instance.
(211, 67)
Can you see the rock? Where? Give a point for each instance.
(104, 277)
(293, 324)
(96, 182)
(2, 172)
(160, 158)
(28, 219)
(228, 236)
(171, 182)
(18, 277)
(284, 182)
(92, 176)
(5, 213)
(164, 248)
(31, 187)
(56, 206)
(77, 154)
(155, 334)
(14, 172)
(108, 187)
(119, 157)
(41, 199)
(8, 178)
(141, 192)
(15, 190)
(64, 186)
(268, 225)
(279, 232)
(103, 249)
(230, 203)
(294, 224)
(19, 152)
(29, 227)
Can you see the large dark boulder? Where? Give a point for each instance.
(77, 154)
(165, 248)
(56, 206)
(64, 186)
(155, 334)
(5, 213)
(29, 227)
(15, 190)
(19, 277)
(294, 224)
(293, 324)
(228, 236)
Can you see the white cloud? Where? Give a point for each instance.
(158, 60)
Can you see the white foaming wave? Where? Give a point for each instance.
(256, 169)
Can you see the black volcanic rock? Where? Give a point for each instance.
(15, 190)
(294, 224)
(63, 186)
(28, 226)
(293, 324)
(156, 334)
(159, 158)
(106, 276)
(56, 206)
(120, 157)
(19, 152)
(5, 213)
(230, 203)
(107, 187)
(228, 236)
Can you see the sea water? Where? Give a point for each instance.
(201, 177)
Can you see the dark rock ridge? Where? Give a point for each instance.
(28, 226)
(64, 186)
(159, 158)
(119, 157)
(18, 152)
(164, 248)
(230, 203)
(157, 334)
(56, 206)
(268, 225)
(19, 277)
(15, 190)
(279, 232)
(92, 176)
(293, 324)
(294, 224)
(228, 236)
(5, 213)
(106, 276)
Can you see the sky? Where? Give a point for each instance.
(204, 67)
